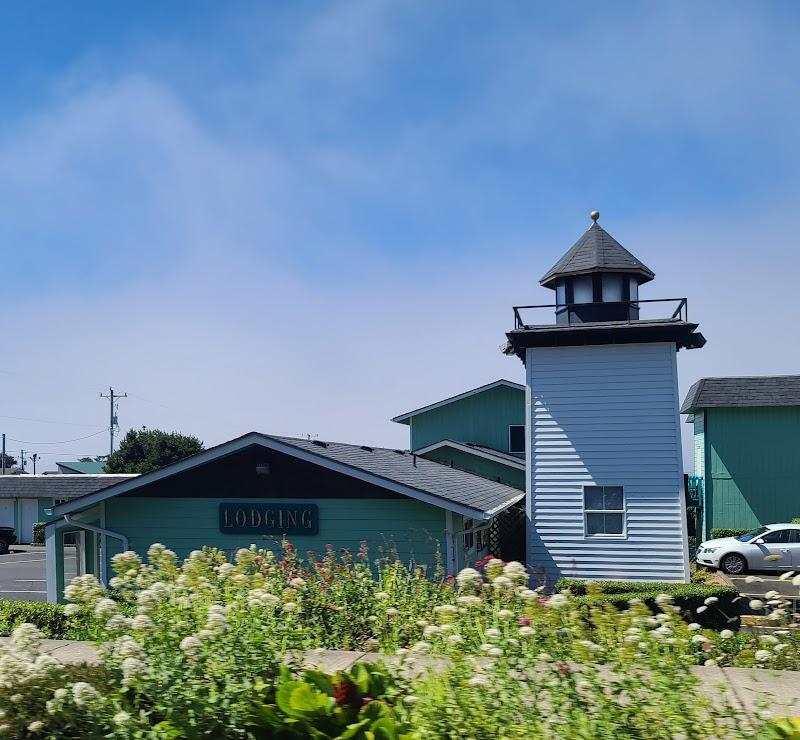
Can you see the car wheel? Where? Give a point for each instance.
(3, 547)
(733, 564)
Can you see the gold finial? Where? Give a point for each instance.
(594, 215)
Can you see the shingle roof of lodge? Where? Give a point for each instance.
(596, 251)
(757, 390)
(397, 470)
(417, 472)
(57, 486)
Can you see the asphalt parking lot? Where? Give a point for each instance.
(23, 576)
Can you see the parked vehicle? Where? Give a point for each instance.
(771, 547)
(8, 536)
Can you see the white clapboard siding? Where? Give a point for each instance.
(605, 415)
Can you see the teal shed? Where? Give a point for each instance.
(746, 441)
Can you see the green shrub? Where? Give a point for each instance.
(49, 618)
(688, 596)
(719, 532)
(38, 533)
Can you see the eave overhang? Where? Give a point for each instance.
(682, 333)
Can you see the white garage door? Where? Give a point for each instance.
(6, 512)
(28, 516)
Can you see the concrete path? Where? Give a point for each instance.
(747, 688)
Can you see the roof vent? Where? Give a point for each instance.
(400, 452)
(319, 443)
(367, 448)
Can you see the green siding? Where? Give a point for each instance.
(479, 466)
(752, 466)
(481, 419)
(416, 531)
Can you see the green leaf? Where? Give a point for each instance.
(296, 699)
(321, 680)
(359, 674)
(265, 715)
(376, 710)
(354, 730)
(385, 729)
(165, 730)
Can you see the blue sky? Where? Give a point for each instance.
(307, 218)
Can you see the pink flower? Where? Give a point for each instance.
(524, 621)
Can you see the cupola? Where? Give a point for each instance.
(597, 279)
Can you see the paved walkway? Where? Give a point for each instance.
(747, 688)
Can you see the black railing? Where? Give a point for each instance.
(681, 312)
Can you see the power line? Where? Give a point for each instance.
(61, 442)
(47, 421)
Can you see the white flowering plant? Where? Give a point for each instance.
(212, 647)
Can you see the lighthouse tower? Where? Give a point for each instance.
(604, 465)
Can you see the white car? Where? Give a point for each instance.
(772, 547)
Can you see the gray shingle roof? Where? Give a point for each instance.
(57, 486)
(596, 251)
(416, 472)
(499, 454)
(759, 390)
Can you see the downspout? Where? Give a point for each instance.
(99, 530)
(105, 533)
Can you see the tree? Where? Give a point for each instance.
(149, 449)
(10, 460)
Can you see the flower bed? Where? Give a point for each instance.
(196, 649)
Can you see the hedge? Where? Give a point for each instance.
(719, 532)
(38, 533)
(49, 618)
(688, 596)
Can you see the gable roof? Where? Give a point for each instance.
(747, 391)
(56, 486)
(596, 251)
(395, 470)
(504, 458)
(406, 417)
(96, 467)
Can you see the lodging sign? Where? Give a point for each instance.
(278, 519)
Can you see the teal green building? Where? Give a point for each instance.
(259, 489)
(481, 431)
(746, 442)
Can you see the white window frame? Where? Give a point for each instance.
(516, 452)
(602, 535)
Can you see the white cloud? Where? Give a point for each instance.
(235, 276)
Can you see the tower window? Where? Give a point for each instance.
(516, 438)
(604, 510)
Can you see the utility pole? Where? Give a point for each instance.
(113, 404)
(34, 457)
(22, 460)
(4, 453)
